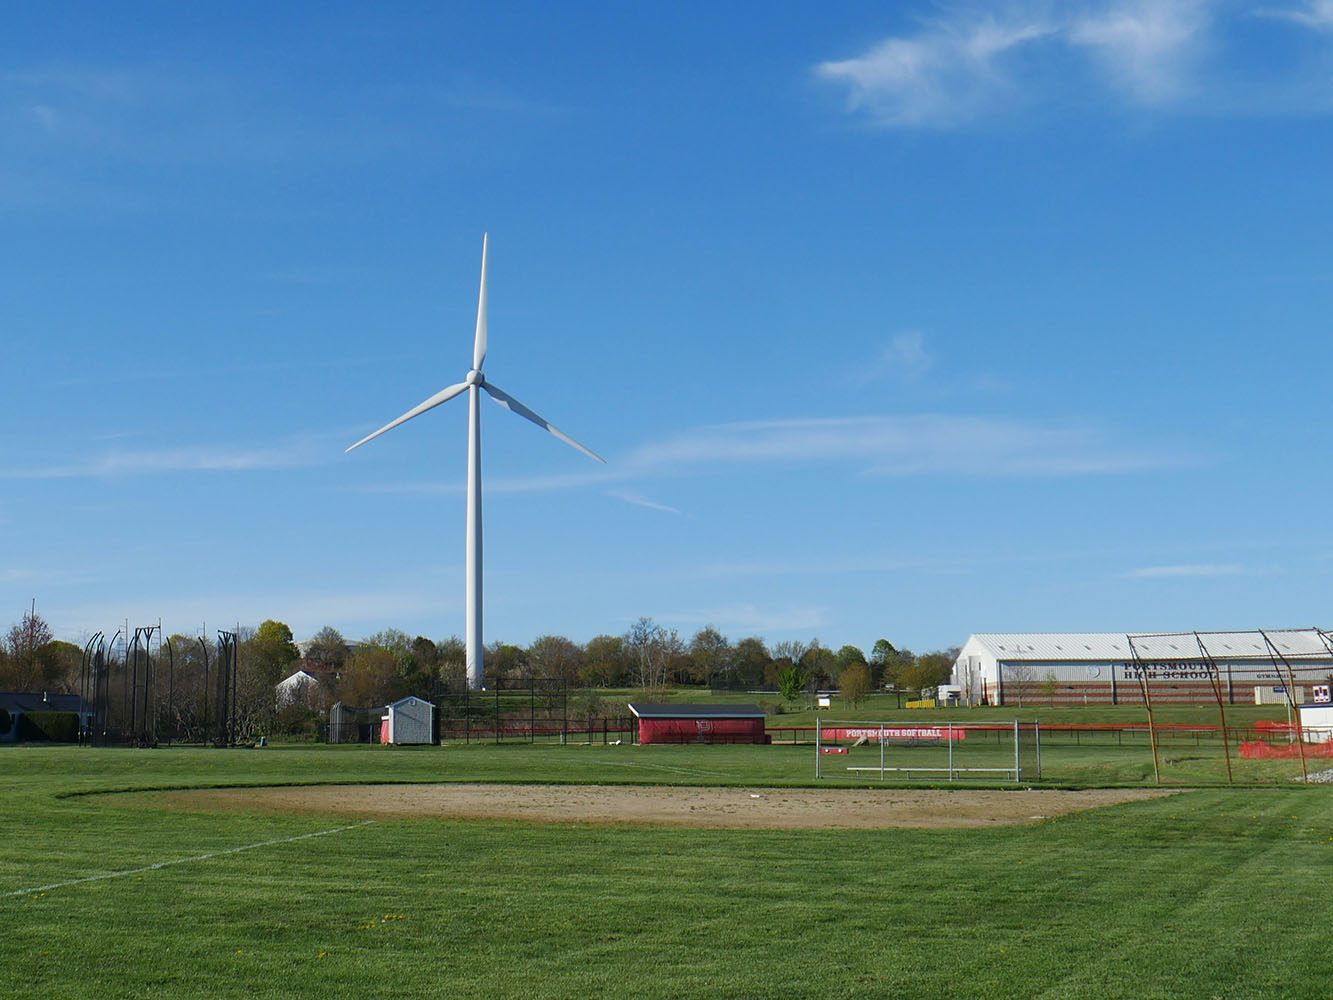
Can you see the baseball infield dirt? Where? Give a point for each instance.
(783, 808)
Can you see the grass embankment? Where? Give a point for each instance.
(1215, 893)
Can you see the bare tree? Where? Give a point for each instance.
(1017, 676)
(25, 644)
(791, 649)
(652, 650)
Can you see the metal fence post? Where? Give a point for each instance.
(819, 746)
(951, 751)
(1018, 765)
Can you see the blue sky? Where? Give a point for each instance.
(902, 320)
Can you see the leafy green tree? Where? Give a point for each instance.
(749, 661)
(371, 677)
(604, 662)
(854, 683)
(710, 655)
(61, 664)
(426, 653)
(882, 656)
(1050, 687)
(556, 657)
(452, 660)
(819, 666)
(273, 653)
(791, 682)
(936, 667)
(328, 647)
(849, 656)
(505, 660)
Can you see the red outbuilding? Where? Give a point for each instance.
(699, 723)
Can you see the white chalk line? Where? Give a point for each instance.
(182, 861)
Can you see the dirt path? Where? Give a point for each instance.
(793, 808)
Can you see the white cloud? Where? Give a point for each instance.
(639, 500)
(922, 444)
(970, 63)
(904, 356)
(1316, 14)
(1147, 46)
(908, 445)
(290, 453)
(950, 72)
(1158, 572)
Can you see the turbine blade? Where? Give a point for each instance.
(514, 406)
(479, 338)
(443, 396)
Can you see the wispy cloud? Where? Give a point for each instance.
(970, 64)
(1316, 14)
(1147, 47)
(904, 357)
(952, 70)
(261, 368)
(639, 500)
(290, 453)
(923, 444)
(908, 445)
(1159, 572)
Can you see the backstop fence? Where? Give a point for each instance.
(507, 710)
(950, 751)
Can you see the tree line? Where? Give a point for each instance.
(648, 657)
(386, 666)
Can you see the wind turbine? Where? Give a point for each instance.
(475, 383)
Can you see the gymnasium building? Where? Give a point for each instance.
(1111, 668)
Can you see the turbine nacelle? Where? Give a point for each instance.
(476, 378)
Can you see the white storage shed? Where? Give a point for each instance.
(410, 720)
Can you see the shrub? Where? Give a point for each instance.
(5, 720)
(58, 727)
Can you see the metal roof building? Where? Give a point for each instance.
(1010, 668)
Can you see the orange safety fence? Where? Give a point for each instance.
(1258, 750)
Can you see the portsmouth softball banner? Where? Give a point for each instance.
(896, 733)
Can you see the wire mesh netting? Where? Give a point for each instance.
(949, 751)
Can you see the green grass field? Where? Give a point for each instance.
(1212, 893)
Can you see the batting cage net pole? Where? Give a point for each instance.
(1215, 678)
(1289, 691)
(1142, 668)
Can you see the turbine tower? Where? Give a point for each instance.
(475, 383)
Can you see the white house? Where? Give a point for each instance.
(1069, 668)
(303, 685)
